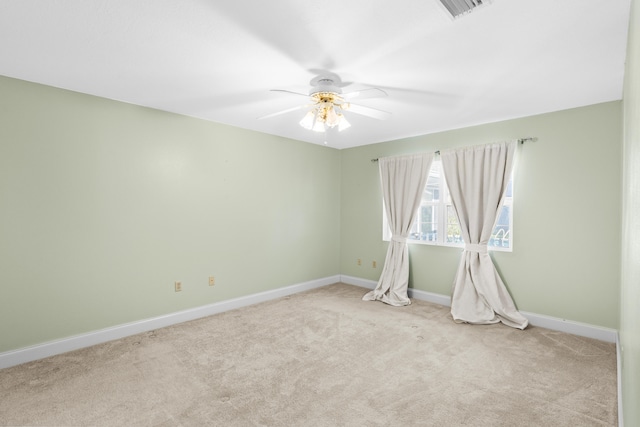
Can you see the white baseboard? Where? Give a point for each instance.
(357, 281)
(430, 297)
(571, 327)
(40, 351)
(51, 348)
(548, 322)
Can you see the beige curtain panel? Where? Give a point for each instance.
(477, 178)
(403, 179)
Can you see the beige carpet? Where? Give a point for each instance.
(322, 358)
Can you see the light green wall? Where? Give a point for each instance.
(630, 292)
(103, 205)
(566, 258)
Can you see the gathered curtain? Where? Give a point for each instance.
(403, 179)
(477, 178)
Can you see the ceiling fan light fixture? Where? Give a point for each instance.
(318, 126)
(328, 102)
(322, 116)
(331, 118)
(308, 120)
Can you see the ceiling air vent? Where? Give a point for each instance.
(458, 8)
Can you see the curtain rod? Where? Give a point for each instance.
(521, 141)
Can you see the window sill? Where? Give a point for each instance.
(454, 245)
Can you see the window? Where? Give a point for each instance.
(437, 224)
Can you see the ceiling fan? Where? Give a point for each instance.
(327, 103)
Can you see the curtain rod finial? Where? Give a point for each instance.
(528, 139)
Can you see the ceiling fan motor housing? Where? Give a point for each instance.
(324, 84)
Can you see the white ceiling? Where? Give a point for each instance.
(218, 59)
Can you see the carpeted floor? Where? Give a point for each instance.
(322, 358)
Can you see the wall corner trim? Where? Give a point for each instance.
(52, 348)
(619, 369)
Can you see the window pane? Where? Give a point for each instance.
(453, 229)
(429, 220)
(509, 192)
(432, 189)
(426, 226)
(414, 234)
(501, 235)
(437, 224)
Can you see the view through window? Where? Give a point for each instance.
(437, 223)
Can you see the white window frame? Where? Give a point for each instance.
(441, 208)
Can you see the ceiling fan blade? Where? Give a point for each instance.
(306, 95)
(369, 112)
(420, 96)
(373, 92)
(288, 110)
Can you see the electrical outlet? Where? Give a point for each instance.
(178, 286)
(374, 264)
(212, 280)
(359, 262)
